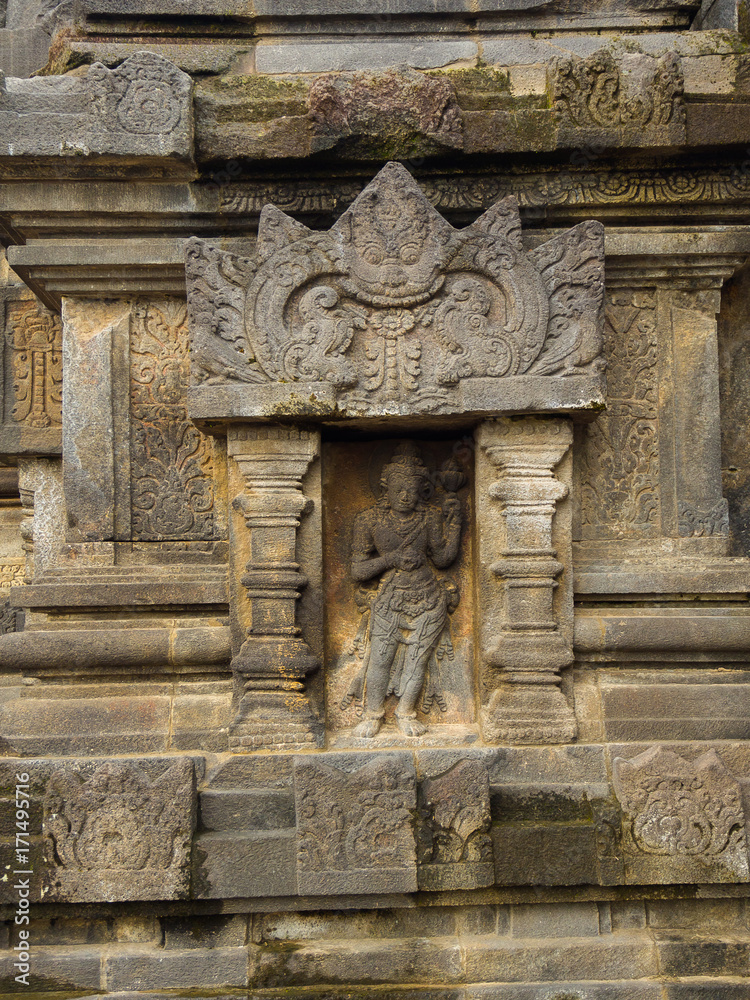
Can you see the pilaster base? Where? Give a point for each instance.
(272, 709)
(528, 713)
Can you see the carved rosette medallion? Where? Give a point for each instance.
(393, 311)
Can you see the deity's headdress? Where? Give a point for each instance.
(405, 459)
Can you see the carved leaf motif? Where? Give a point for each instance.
(34, 337)
(677, 807)
(620, 495)
(572, 268)
(118, 819)
(172, 487)
(637, 91)
(216, 283)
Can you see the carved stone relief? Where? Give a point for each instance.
(634, 92)
(34, 340)
(119, 835)
(454, 849)
(569, 186)
(146, 97)
(171, 462)
(399, 595)
(683, 818)
(619, 456)
(355, 818)
(392, 311)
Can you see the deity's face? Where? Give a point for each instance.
(402, 490)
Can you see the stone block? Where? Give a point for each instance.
(350, 963)
(718, 124)
(54, 970)
(509, 131)
(627, 915)
(141, 109)
(552, 920)
(244, 865)
(552, 765)
(422, 922)
(701, 957)
(95, 726)
(329, 57)
(258, 771)
(117, 835)
(626, 990)
(545, 854)
(676, 711)
(205, 932)
(178, 969)
(355, 823)
(705, 916)
(706, 989)
(258, 809)
(683, 821)
(562, 960)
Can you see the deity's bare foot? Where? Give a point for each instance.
(409, 725)
(368, 727)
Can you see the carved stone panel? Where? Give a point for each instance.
(171, 463)
(396, 312)
(683, 820)
(397, 558)
(634, 98)
(619, 455)
(355, 816)
(115, 834)
(31, 386)
(454, 849)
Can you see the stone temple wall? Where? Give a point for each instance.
(375, 499)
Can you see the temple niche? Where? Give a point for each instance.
(374, 520)
(398, 558)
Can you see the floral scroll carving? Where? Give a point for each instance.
(172, 483)
(683, 810)
(620, 494)
(119, 821)
(636, 91)
(393, 307)
(355, 829)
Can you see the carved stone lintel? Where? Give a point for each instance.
(527, 706)
(273, 661)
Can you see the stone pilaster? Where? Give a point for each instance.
(522, 633)
(273, 660)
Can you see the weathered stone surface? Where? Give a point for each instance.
(635, 97)
(355, 824)
(394, 312)
(118, 835)
(141, 109)
(408, 112)
(454, 849)
(684, 821)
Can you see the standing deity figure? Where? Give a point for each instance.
(402, 539)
